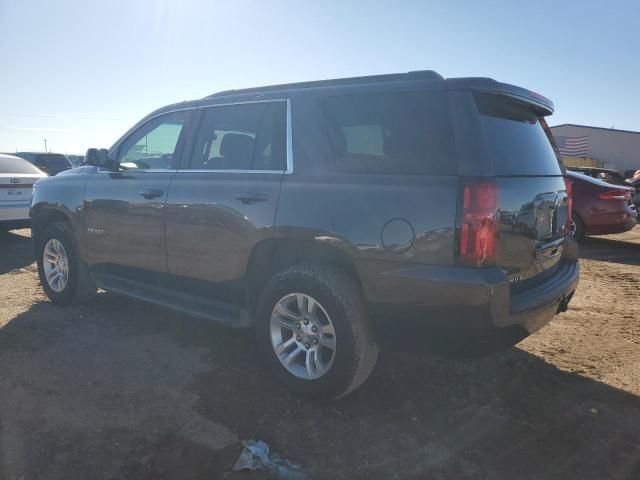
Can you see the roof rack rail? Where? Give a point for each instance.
(409, 76)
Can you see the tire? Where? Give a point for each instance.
(79, 286)
(578, 229)
(339, 302)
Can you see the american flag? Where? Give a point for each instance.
(573, 146)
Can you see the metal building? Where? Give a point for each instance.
(596, 146)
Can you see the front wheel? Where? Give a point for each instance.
(63, 275)
(313, 331)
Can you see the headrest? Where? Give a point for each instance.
(236, 145)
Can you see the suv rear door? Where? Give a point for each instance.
(222, 201)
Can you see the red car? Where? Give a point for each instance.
(599, 207)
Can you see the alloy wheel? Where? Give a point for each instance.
(303, 336)
(55, 264)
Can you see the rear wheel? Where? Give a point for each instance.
(63, 275)
(313, 331)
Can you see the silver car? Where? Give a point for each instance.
(17, 177)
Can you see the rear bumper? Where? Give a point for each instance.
(470, 298)
(533, 308)
(608, 227)
(11, 213)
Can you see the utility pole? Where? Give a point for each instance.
(45, 145)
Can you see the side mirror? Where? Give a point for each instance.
(98, 157)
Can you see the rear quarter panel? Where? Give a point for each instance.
(349, 211)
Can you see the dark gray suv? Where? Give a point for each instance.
(313, 211)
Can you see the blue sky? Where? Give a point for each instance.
(79, 73)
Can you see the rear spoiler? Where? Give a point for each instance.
(543, 106)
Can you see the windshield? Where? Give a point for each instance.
(517, 140)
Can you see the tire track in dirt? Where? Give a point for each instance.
(599, 337)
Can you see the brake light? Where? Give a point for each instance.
(478, 224)
(569, 186)
(618, 194)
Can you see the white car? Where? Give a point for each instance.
(17, 177)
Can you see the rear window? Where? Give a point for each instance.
(16, 165)
(517, 141)
(57, 162)
(393, 133)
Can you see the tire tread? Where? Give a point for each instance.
(348, 294)
(84, 287)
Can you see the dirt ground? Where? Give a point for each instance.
(121, 390)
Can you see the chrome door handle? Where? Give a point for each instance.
(150, 193)
(251, 197)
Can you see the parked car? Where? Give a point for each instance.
(613, 177)
(605, 174)
(17, 177)
(50, 163)
(634, 173)
(634, 183)
(599, 207)
(309, 210)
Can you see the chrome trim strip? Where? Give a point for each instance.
(139, 170)
(289, 169)
(228, 104)
(187, 170)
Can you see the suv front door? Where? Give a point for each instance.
(124, 206)
(222, 202)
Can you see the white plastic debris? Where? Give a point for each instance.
(256, 456)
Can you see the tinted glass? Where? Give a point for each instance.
(52, 161)
(403, 133)
(242, 137)
(153, 145)
(16, 165)
(26, 155)
(517, 141)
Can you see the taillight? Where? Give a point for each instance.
(569, 186)
(477, 239)
(618, 194)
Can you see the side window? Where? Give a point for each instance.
(153, 145)
(394, 133)
(248, 136)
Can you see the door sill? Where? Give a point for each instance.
(192, 305)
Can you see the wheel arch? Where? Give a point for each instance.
(42, 216)
(272, 256)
